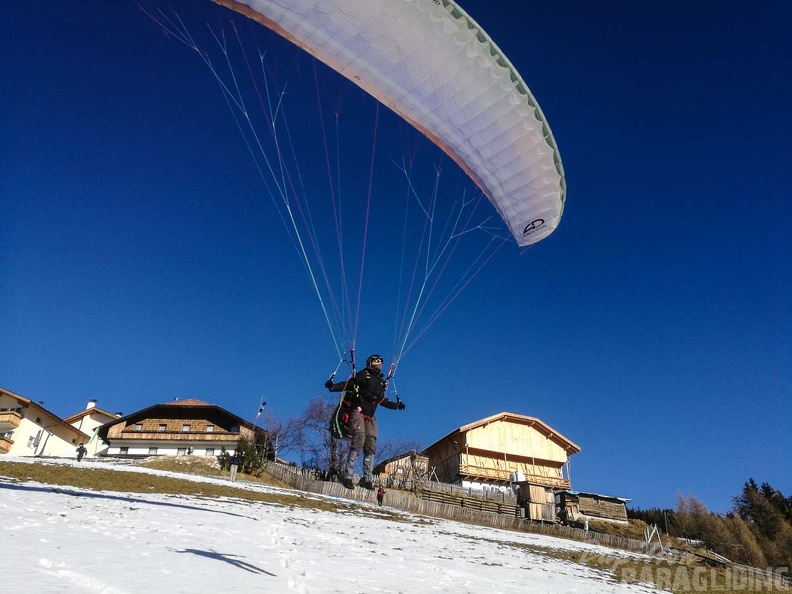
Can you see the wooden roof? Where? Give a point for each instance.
(570, 446)
(187, 403)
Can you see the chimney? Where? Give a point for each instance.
(91, 404)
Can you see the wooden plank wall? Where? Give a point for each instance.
(515, 439)
(471, 501)
(602, 508)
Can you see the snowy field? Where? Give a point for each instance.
(66, 539)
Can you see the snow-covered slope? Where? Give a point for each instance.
(75, 540)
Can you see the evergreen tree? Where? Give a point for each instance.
(251, 457)
(757, 532)
(758, 507)
(747, 549)
(767, 512)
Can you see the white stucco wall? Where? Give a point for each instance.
(139, 449)
(87, 424)
(485, 488)
(55, 440)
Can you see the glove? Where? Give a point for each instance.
(400, 405)
(329, 384)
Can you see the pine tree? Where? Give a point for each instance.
(766, 512)
(747, 549)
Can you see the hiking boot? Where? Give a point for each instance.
(348, 483)
(366, 484)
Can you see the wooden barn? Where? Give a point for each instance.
(487, 453)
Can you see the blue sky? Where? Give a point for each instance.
(142, 260)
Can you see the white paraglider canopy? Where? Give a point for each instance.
(432, 64)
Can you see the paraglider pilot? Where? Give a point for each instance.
(369, 392)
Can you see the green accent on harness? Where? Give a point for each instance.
(338, 428)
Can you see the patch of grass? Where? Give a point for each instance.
(203, 466)
(677, 576)
(634, 528)
(672, 575)
(100, 479)
(200, 465)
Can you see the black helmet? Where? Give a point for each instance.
(373, 358)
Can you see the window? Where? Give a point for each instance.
(30, 441)
(162, 428)
(181, 451)
(124, 450)
(138, 426)
(234, 429)
(38, 420)
(152, 451)
(185, 428)
(210, 451)
(210, 428)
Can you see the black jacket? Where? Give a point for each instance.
(368, 385)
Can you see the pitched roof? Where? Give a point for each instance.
(88, 411)
(22, 399)
(403, 455)
(538, 424)
(28, 403)
(188, 402)
(586, 493)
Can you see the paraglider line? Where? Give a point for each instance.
(366, 224)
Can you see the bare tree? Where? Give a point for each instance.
(309, 437)
(396, 446)
(313, 441)
(282, 436)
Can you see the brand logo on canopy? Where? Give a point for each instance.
(533, 226)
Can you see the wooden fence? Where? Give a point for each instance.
(472, 514)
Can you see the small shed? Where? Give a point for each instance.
(537, 501)
(578, 506)
(404, 471)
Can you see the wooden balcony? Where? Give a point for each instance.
(9, 420)
(548, 481)
(499, 475)
(5, 444)
(177, 436)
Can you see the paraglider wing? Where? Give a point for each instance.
(432, 64)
